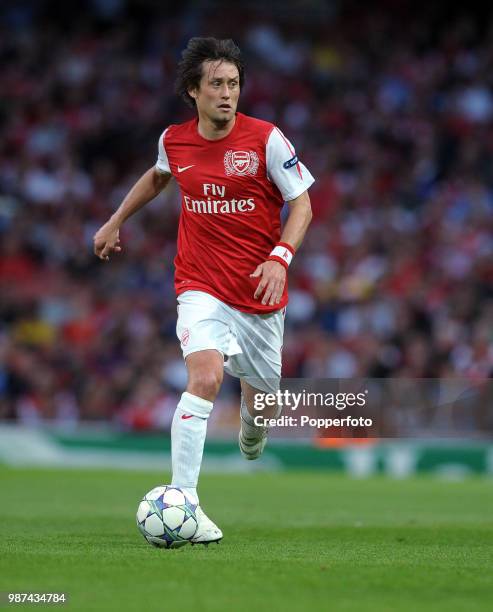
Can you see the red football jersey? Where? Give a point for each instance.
(233, 190)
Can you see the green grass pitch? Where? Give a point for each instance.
(293, 541)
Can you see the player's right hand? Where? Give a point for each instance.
(107, 241)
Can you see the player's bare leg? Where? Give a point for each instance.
(189, 428)
(253, 438)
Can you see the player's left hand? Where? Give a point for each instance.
(272, 279)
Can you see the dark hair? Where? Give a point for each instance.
(198, 51)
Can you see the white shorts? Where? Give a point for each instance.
(250, 343)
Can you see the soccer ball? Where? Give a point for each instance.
(166, 517)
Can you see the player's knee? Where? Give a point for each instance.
(206, 383)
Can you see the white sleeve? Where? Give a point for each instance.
(290, 176)
(162, 163)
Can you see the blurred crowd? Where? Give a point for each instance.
(396, 123)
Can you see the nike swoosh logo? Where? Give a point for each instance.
(185, 168)
(186, 416)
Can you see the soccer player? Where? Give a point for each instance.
(234, 173)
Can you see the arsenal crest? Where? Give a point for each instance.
(241, 163)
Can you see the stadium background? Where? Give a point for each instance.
(396, 124)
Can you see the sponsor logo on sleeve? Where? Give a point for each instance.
(290, 163)
(241, 163)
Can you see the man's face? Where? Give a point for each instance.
(218, 92)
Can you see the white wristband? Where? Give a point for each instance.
(283, 253)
